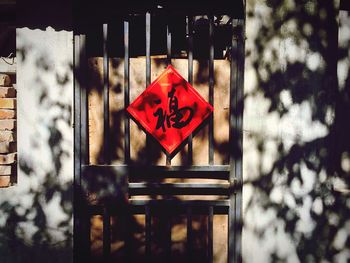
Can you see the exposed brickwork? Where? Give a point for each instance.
(8, 158)
(7, 136)
(5, 181)
(7, 92)
(5, 170)
(7, 114)
(5, 80)
(6, 103)
(7, 125)
(8, 145)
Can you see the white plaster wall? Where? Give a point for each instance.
(260, 125)
(43, 196)
(264, 233)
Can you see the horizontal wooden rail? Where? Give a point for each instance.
(179, 189)
(160, 172)
(174, 206)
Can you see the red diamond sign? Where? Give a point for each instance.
(170, 109)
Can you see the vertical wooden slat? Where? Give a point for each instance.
(84, 102)
(77, 151)
(85, 220)
(128, 236)
(168, 159)
(168, 48)
(211, 89)
(210, 234)
(106, 128)
(189, 34)
(126, 91)
(239, 133)
(148, 232)
(148, 71)
(168, 43)
(168, 240)
(86, 235)
(106, 235)
(236, 138)
(189, 234)
(231, 216)
(148, 49)
(77, 109)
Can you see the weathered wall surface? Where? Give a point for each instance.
(296, 143)
(36, 219)
(296, 153)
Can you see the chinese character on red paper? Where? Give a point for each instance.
(170, 109)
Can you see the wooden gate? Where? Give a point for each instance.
(138, 199)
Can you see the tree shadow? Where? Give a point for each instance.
(303, 190)
(300, 175)
(107, 189)
(27, 229)
(36, 222)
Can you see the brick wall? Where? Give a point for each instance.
(8, 147)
